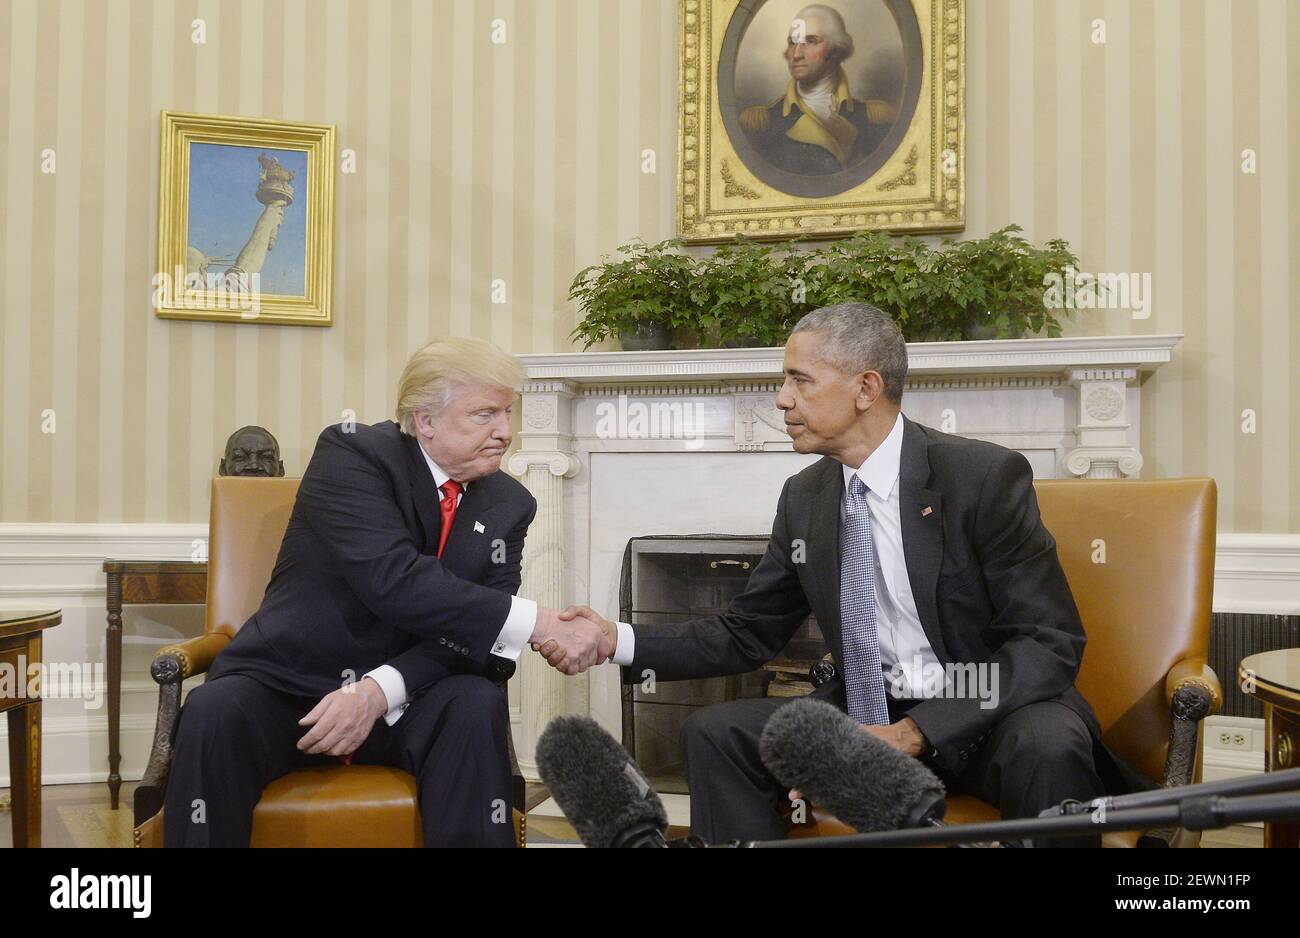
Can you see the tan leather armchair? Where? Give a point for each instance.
(321, 806)
(1146, 611)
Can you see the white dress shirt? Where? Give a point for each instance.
(905, 652)
(510, 641)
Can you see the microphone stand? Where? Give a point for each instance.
(1203, 813)
(1206, 806)
(1285, 780)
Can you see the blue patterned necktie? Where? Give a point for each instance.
(864, 679)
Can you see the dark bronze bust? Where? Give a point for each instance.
(252, 451)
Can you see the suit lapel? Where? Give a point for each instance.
(825, 535)
(921, 516)
(424, 495)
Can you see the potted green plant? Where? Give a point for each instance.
(895, 274)
(639, 297)
(998, 284)
(984, 288)
(747, 293)
(747, 296)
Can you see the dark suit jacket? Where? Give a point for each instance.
(357, 585)
(983, 570)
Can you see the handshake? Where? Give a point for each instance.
(573, 640)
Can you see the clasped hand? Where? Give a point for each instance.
(574, 640)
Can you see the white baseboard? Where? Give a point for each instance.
(61, 566)
(1257, 573)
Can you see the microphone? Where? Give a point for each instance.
(867, 783)
(599, 786)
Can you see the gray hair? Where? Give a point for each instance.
(837, 33)
(858, 337)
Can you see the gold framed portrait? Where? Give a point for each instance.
(820, 119)
(245, 220)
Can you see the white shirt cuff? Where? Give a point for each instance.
(393, 685)
(626, 644)
(518, 629)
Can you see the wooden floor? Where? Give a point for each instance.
(79, 816)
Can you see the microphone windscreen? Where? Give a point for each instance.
(867, 783)
(595, 782)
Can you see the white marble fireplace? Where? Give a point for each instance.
(616, 445)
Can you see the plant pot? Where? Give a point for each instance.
(977, 331)
(644, 337)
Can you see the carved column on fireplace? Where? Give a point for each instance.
(545, 459)
(1103, 450)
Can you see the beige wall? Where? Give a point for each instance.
(522, 162)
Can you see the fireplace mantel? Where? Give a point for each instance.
(994, 356)
(1071, 405)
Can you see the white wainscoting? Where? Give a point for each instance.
(60, 565)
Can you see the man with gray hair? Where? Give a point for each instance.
(911, 547)
(817, 127)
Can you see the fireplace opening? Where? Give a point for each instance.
(672, 578)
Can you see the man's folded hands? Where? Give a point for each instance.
(573, 640)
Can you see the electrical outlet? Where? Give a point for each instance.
(1233, 739)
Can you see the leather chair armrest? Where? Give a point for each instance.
(1193, 673)
(192, 656)
(1193, 692)
(172, 664)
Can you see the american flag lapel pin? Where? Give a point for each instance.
(927, 511)
(478, 527)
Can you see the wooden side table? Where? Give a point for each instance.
(1274, 678)
(20, 649)
(140, 583)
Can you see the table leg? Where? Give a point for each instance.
(25, 773)
(114, 637)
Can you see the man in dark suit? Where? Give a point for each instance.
(389, 618)
(919, 553)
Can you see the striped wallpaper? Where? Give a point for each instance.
(522, 161)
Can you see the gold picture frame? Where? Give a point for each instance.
(238, 238)
(751, 162)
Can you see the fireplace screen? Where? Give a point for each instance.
(675, 578)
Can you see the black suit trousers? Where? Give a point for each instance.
(234, 736)
(1035, 758)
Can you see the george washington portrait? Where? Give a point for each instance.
(816, 96)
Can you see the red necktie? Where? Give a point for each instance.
(450, 490)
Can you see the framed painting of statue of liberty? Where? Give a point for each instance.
(820, 119)
(245, 220)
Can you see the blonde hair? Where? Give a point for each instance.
(437, 369)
